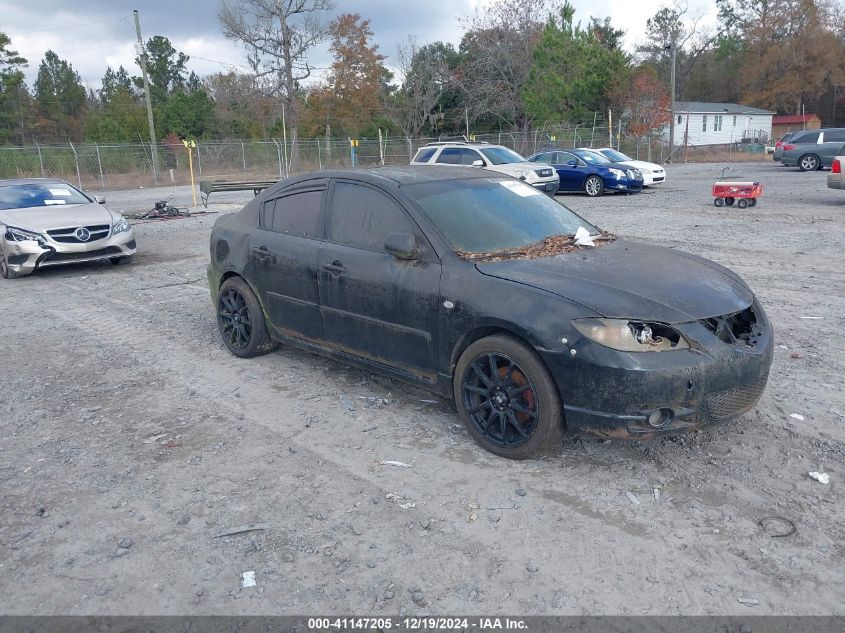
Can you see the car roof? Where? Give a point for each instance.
(463, 144)
(31, 181)
(400, 174)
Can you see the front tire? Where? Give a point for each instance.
(594, 186)
(5, 271)
(507, 399)
(809, 162)
(240, 320)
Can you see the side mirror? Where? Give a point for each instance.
(99, 199)
(402, 246)
(573, 163)
(478, 163)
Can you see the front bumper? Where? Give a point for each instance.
(653, 179)
(26, 257)
(549, 187)
(612, 394)
(623, 184)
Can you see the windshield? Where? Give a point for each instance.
(46, 194)
(615, 156)
(591, 157)
(501, 155)
(492, 214)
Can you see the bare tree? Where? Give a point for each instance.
(425, 73)
(277, 35)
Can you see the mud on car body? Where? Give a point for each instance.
(46, 222)
(473, 285)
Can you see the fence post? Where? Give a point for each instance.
(76, 160)
(153, 163)
(199, 161)
(410, 149)
(319, 154)
(40, 159)
(380, 148)
(100, 165)
(279, 152)
(243, 155)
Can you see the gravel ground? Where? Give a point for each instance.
(132, 439)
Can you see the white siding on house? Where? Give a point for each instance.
(733, 127)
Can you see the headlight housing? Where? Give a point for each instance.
(629, 335)
(523, 174)
(14, 234)
(120, 226)
(643, 170)
(617, 173)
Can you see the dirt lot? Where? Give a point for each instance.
(131, 438)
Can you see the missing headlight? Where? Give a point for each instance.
(656, 336)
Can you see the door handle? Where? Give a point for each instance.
(336, 267)
(262, 252)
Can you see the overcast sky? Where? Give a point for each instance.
(93, 34)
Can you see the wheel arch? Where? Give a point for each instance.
(490, 328)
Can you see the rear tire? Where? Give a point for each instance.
(507, 399)
(719, 202)
(752, 202)
(240, 320)
(742, 203)
(729, 201)
(809, 162)
(594, 186)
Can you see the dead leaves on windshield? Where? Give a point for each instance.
(554, 245)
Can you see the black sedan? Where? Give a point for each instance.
(476, 286)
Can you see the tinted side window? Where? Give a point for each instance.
(297, 214)
(424, 155)
(545, 157)
(468, 156)
(363, 217)
(450, 156)
(808, 137)
(563, 158)
(834, 136)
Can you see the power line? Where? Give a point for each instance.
(71, 26)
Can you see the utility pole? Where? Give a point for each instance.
(674, 49)
(142, 57)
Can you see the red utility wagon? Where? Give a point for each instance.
(743, 192)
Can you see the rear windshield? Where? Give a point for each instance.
(424, 155)
(31, 195)
(493, 214)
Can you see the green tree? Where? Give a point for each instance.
(115, 82)
(165, 69)
(13, 93)
(574, 71)
(60, 98)
(189, 112)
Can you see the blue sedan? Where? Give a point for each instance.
(590, 172)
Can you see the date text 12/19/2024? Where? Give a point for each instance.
(459, 624)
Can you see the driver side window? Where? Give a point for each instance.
(362, 217)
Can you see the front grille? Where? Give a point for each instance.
(55, 257)
(545, 173)
(732, 402)
(739, 328)
(68, 236)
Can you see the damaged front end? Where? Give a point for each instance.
(629, 379)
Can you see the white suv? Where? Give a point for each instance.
(493, 157)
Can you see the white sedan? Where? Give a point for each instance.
(652, 172)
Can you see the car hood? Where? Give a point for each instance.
(629, 280)
(510, 168)
(641, 164)
(40, 219)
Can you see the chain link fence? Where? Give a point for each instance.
(104, 167)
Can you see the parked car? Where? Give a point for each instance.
(813, 149)
(836, 177)
(778, 153)
(592, 173)
(493, 157)
(470, 283)
(46, 222)
(652, 172)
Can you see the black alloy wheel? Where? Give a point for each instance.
(507, 399)
(241, 320)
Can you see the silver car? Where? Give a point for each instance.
(46, 222)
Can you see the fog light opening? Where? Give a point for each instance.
(660, 417)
